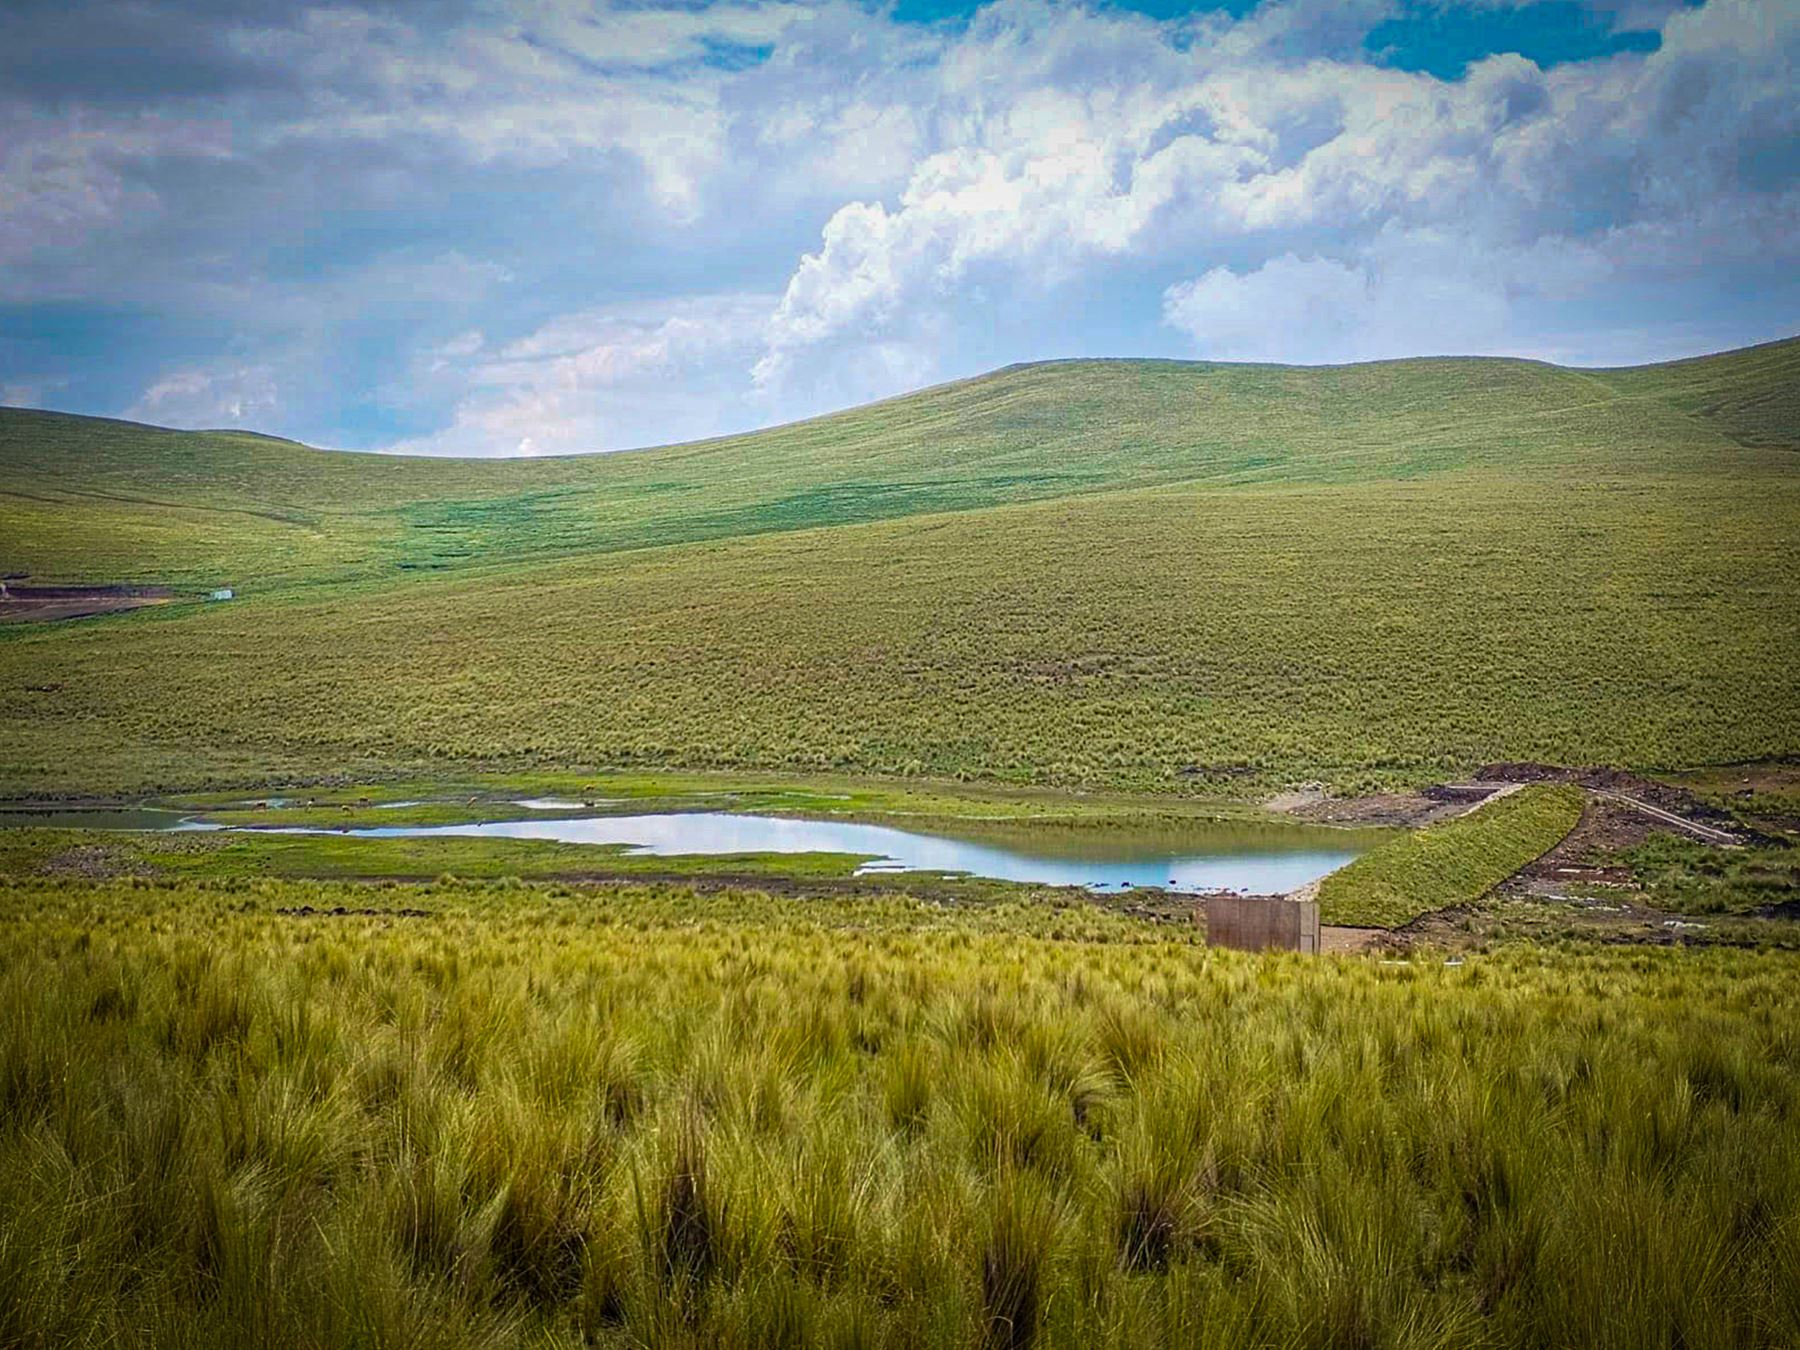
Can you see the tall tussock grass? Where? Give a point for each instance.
(547, 1116)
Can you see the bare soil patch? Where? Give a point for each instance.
(93, 862)
(1339, 938)
(1444, 801)
(1408, 810)
(1765, 792)
(1581, 887)
(1399, 810)
(1679, 801)
(1607, 828)
(42, 604)
(344, 911)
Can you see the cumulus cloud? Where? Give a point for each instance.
(1406, 294)
(546, 225)
(603, 379)
(652, 37)
(1190, 151)
(225, 396)
(68, 180)
(548, 88)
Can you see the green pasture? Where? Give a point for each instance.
(1183, 640)
(85, 499)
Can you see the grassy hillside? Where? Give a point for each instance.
(1752, 395)
(524, 1116)
(1167, 640)
(92, 500)
(1370, 574)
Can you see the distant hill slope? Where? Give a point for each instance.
(1181, 639)
(1752, 395)
(86, 499)
(1163, 576)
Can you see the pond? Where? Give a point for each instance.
(93, 817)
(1261, 859)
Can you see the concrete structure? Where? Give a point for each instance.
(1260, 923)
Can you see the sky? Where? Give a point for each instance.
(547, 226)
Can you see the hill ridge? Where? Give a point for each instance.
(1028, 432)
(1010, 368)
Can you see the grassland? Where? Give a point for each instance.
(222, 856)
(1156, 577)
(1172, 641)
(926, 805)
(83, 499)
(543, 1116)
(241, 1107)
(1452, 863)
(1684, 876)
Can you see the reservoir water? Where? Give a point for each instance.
(1262, 859)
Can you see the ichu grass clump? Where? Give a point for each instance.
(687, 1224)
(639, 1116)
(1014, 1258)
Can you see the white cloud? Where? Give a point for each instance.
(549, 84)
(227, 396)
(1148, 149)
(1403, 296)
(1640, 16)
(66, 181)
(654, 37)
(816, 204)
(605, 379)
(1080, 138)
(461, 346)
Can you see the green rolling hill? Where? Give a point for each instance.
(89, 499)
(1168, 576)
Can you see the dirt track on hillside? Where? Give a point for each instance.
(42, 604)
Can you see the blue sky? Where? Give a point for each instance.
(541, 226)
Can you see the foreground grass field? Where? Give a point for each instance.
(1158, 577)
(497, 1116)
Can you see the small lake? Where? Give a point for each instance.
(1262, 859)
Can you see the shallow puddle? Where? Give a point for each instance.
(92, 818)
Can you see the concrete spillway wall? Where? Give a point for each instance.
(1261, 923)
